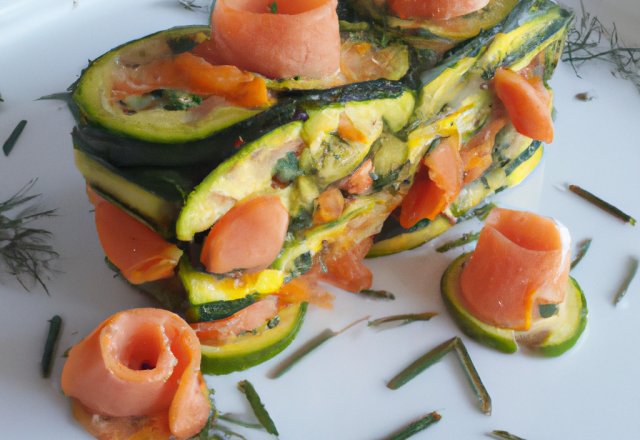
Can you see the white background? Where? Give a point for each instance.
(592, 392)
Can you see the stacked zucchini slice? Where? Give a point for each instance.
(178, 163)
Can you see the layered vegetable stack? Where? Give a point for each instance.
(230, 191)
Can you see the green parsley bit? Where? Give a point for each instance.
(417, 426)
(258, 408)
(50, 346)
(274, 7)
(625, 286)
(15, 134)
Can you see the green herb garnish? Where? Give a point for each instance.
(23, 250)
(583, 247)
(434, 356)
(465, 239)
(1, 100)
(273, 8)
(625, 286)
(258, 408)
(238, 422)
(15, 134)
(505, 435)
(602, 204)
(481, 213)
(585, 42)
(288, 168)
(417, 426)
(377, 294)
(310, 346)
(189, 5)
(50, 345)
(406, 318)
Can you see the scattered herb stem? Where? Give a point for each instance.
(583, 247)
(258, 408)
(377, 294)
(465, 239)
(417, 426)
(434, 356)
(473, 376)
(406, 318)
(15, 134)
(602, 204)
(50, 345)
(239, 422)
(421, 364)
(505, 435)
(625, 286)
(310, 346)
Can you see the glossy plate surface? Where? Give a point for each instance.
(339, 392)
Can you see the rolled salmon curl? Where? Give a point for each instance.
(300, 38)
(139, 252)
(521, 260)
(139, 363)
(436, 9)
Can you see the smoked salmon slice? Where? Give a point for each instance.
(436, 9)
(138, 363)
(134, 248)
(300, 38)
(247, 319)
(521, 260)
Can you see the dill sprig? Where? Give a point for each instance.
(589, 39)
(24, 250)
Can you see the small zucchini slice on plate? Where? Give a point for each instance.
(551, 336)
(250, 349)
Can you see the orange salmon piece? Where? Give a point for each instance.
(305, 288)
(436, 184)
(518, 263)
(476, 154)
(139, 252)
(346, 270)
(192, 73)
(527, 102)
(436, 9)
(249, 236)
(330, 206)
(247, 319)
(302, 38)
(360, 181)
(140, 363)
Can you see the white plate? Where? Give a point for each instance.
(339, 392)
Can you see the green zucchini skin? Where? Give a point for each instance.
(217, 310)
(549, 337)
(128, 152)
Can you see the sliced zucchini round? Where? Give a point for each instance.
(551, 336)
(250, 350)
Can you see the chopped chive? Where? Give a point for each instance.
(421, 364)
(1, 100)
(481, 213)
(434, 356)
(377, 294)
(62, 96)
(473, 376)
(50, 346)
(602, 204)
(623, 289)
(505, 435)
(583, 247)
(310, 346)
(465, 239)
(239, 422)
(226, 431)
(11, 142)
(406, 318)
(417, 426)
(258, 408)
